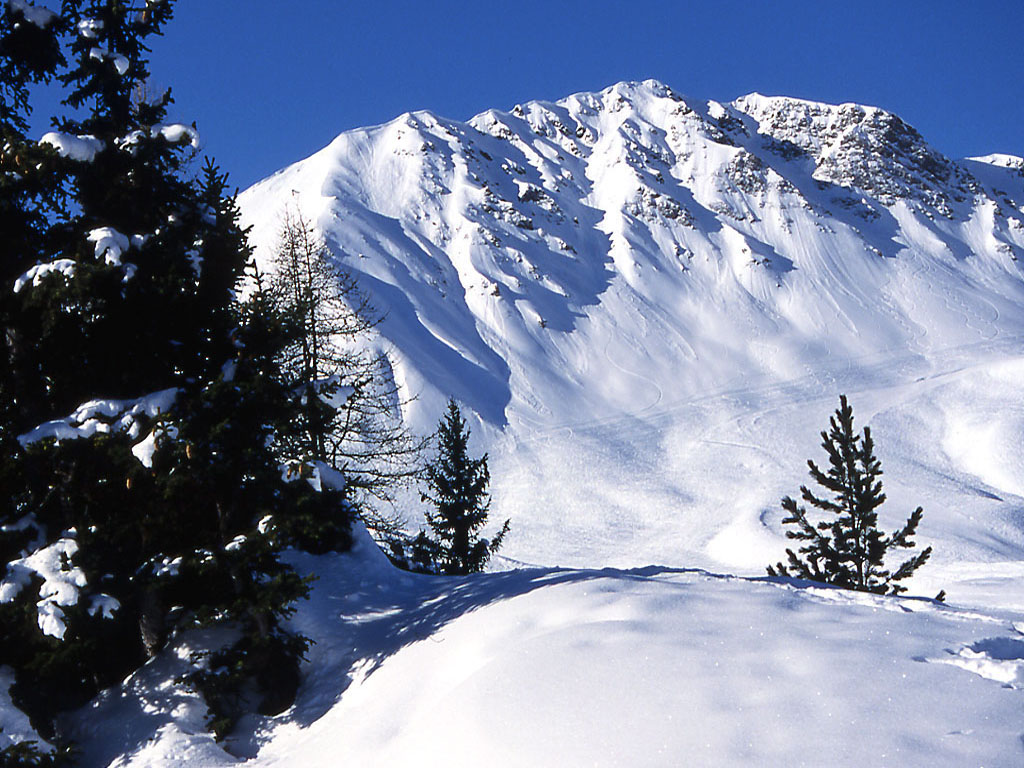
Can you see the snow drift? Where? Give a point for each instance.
(556, 667)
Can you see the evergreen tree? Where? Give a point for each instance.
(142, 413)
(30, 53)
(847, 549)
(457, 488)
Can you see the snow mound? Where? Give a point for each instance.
(653, 666)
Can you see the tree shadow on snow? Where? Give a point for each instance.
(357, 631)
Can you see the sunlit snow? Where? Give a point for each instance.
(648, 306)
(80, 148)
(60, 585)
(649, 666)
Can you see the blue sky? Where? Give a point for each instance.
(269, 82)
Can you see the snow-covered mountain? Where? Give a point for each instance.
(651, 303)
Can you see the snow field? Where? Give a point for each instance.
(648, 667)
(649, 306)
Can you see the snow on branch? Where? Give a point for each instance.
(318, 474)
(144, 450)
(61, 584)
(106, 417)
(175, 132)
(172, 133)
(80, 148)
(39, 272)
(90, 28)
(102, 54)
(110, 246)
(331, 391)
(33, 14)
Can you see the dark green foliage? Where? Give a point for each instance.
(457, 489)
(27, 754)
(29, 53)
(419, 554)
(190, 533)
(847, 549)
(257, 674)
(424, 554)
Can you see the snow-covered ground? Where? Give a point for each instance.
(649, 306)
(649, 666)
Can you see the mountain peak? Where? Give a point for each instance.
(862, 147)
(630, 268)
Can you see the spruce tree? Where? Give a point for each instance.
(143, 416)
(847, 548)
(457, 489)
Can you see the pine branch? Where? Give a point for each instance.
(907, 568)
(902, 537)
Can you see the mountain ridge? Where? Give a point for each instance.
(619, 285)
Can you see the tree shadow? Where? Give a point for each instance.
(1000, 648)
(357, 632)
(123, 720)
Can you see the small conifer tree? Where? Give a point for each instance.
(457, 488)
(847, 549)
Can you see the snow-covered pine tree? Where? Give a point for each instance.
(30, 53)
(847, 549)
(457, 488)
(141, 410)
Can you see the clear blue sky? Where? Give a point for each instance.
(270, 82)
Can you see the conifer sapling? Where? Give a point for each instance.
(847, 549)
(457, 488)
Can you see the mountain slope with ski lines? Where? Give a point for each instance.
(650, 306)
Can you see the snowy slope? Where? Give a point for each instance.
(563, 668)
(651, 304)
